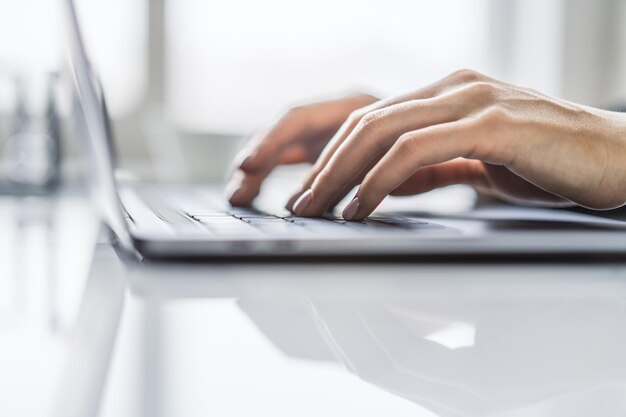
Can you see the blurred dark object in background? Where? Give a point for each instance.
(31, 153)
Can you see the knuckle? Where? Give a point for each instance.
(372, 190)
(355, 117)
(484, 90)
(312, 175)
(296, 114)
(294, 122)
(371, 120)
(322, 178)
(288, 116)
(465, 76)
(295, 111)
(370, 183)
(492, 129)
(367, 184)
(366, 133)
(496, 115)
(407, 143)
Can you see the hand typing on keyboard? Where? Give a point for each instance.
(299, 136)
(467, 128)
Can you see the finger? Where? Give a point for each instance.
(374, 135)
(335, 142)
(306, 126)
(348, 187)
(300, 124)
(345, 190)
(489, 179)
(458, 171)
(245, 186)
(327, 153)
(414, 150)
(457, 79)
(507, 186)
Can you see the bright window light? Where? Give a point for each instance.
(232, 66)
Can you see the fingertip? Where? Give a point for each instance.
(302, 202)
(245, 161)
(360, 216)
(361, 206)
(350, 211)
(231, 192)
(236, 192)
(292, 200)
(239, 198)
(252, 162)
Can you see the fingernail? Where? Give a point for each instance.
(292, 200)
(351, 209)
(232, 189)
(302, 202)
(234, 194)
(245, 161)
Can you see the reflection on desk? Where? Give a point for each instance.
(422, 340)
(46, 244)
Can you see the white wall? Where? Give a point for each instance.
(594, 52)
(233, 66)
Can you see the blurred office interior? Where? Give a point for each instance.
(187, 80)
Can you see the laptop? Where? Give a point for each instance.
(163, 222)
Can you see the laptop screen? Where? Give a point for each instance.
(93, 125)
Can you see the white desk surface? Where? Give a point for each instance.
(83, 333)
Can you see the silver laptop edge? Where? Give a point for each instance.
(93, 120)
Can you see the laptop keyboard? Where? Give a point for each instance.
(250, 222)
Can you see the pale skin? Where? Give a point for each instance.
(506, 141)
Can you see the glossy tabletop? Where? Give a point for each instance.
(87, 332)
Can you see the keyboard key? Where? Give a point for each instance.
(251, 213)
(233, 229)
(220, 221)
(322, 226)
(277, 226)
(207, 216)
(223, 220)
(403, 222)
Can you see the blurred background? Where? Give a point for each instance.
(187, 80)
